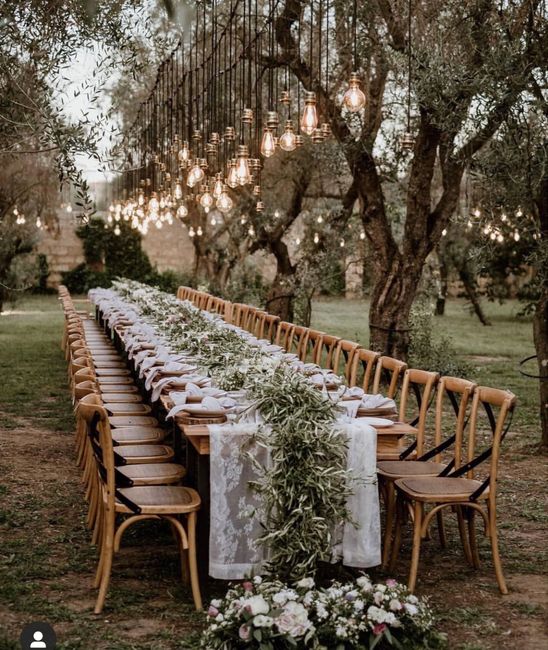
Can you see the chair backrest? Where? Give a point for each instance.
(362, 360)
(389, 371)
(452, 415)
(270, 324)
(299, 341)
(422, 384)
(284, 334)
(314, 346)
(343, 358)
(327, 353)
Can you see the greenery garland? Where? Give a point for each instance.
(306, 487)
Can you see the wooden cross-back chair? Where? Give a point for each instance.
(452, 413)
(362, 368)
(327, 352)
(388, 372)
(284, 334)
(314, 346)
(299, 341)
(460, 486)
(134, 504)
(269, 326)
(343, 358)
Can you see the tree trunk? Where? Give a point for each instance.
(280, 299)
(540, 329)
(442, 296)
(470, 288)
(392, 297)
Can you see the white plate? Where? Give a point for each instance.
(377, 422)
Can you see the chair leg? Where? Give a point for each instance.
(194, 581)
(107, 553)
(441, 529)
(473, 542)
(493, 534)
(463, 536)
(399, 523)
(390, 504)
(417, 536)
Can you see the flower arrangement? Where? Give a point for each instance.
(270, 615)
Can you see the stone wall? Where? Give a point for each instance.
(168, 248)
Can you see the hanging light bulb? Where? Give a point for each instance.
(191, 232)
(516, 236)
(182, 211)
(69, 208)
(287, 140)
(251, 231)
(268, 145)
(232, 178)
(242, 166)
(196, 174)
(153, 204)
(297, 240)
(218, 186)
(444, 232)
(362, 235)
(178, 192)
(342, 243)
(117, 230)
(184, 153)
(316, 238)
(38, 222)
(354, 97)
(224, 202)
(309, 119)
(213, 221)
(320, 219)
(206, 200)
(141, 198)
(199, 232)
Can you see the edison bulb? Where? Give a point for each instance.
(354, 98)
(206, 201)
(232, 178)
(178, 192)
(224, 202)
(184, 153)
(287, 141)
(268, 144)
(243, 172)
(195, 175)
(218, 186)
(153, 204)
(182, 211)
(309, 119)
(117, 230)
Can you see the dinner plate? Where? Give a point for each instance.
(197, 411)
(378, 423)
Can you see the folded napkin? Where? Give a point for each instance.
(350, 406)
(170, 366)
(183, 382)
(377, 401)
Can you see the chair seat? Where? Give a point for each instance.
(123, 397)
(153, 473)
(134, 454)
(111, 381)
(112, 372)
(435, 489)
(117, 389)
(118, 408)
(165, 499)
(132, 421)
(138, 435)
(394, 469)
(115, 364)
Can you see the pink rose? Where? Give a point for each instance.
(248, 586)
(244, 632)
(212, 611)
(391, 582)
(379, 628)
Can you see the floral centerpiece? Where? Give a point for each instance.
(270, 615)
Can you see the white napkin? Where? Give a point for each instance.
(354, 391)
(377, 401)
(165, 382)
(351, 407)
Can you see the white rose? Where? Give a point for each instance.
(257, 605)
(412, 610)
(395, 605)
(306, 583)
(257, 580)
(359, 605)
(219, 618)
(412, 599)
(364, 583)
(293, 620)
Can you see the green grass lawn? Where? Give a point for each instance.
(494, 351)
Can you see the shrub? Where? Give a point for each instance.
(433, 353)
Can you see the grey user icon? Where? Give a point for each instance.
(38, 636)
